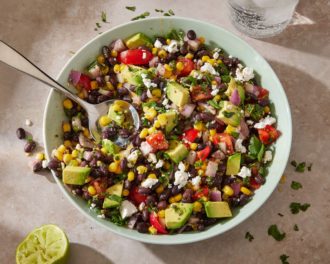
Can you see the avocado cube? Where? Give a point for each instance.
(132, 74)
(110, 203)
(168, 119)
(233, 164)
(110, 147)
(75, 175)
(177, 94)
(217, 209)
(114, 194)
(177, 215)
(138, 40)
(116, 189)
(230, 114)
(177, 151)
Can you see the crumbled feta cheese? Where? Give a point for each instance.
(152, 158)
(181, 178)
(145, 148)
(147, 82)
(268, 156)
(245, 172)
(172, 47)
(207, 67)
(44, 164)
(159, 164)
(244, 74)
(127, 209)
(240, 66)
(158, 44)
(132, 158)
(239, 147)
(230, 56)
(268, 120)
(92, 205)
(216, 55)
(102, 216)
(197, 75)
(249, 122)
(196, 180)
(28, 122)
(149, 182)
(141, 206)
(107, 78)
(165, 102)
(214, 92)
(181, 166)
(149, 93)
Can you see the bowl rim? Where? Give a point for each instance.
(184, 238)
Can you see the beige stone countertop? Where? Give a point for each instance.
(48, 31)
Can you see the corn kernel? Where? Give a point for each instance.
(61, 148)
(105, 70)
(193, 146)
(178, 197)
(94, 85)
(67, 143)
(168, 41)
(205, 58)
(160, 189)
(58, 155)
(75, 153)
(167, 74)
(162, 119)
(245, 190)
(40, 156)
(81, 95)
(141, 169)
(101, 59)
(114, 53)
(161, 213)
(66, 127)
(156, 92)
(104, 121)
(86, 132)
(67, 103)
(214, 82)
(119, 85)
(228, 190)
(162, 54)
(74, 163)
(197, 206)
(154, 51)
(171, 200)
(201, 40)
(157, 124)
(130, 176)
(179, 66)
(118, 170)
(219, 61)
(213, 132)
(109, 85)
(152, 230)
(204, 199)
(116, 68)
(113, 167)
(144, 133)
(104, 151)
(152, 176)
(168, 67)
(67, 158)
(125, 192)
(189, 56)
(266, 109)
(200, 172)
(199, 126)
(217, 98)
(151, 130)
(91, 190)
(211, 61)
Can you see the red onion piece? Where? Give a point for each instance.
(211, 169)
(187, 110)
(234, 98)
(219, 155)
(191, 157)
(252, 89)
(236, 188)
(74, 77)
(118, 45)
(153, 62)
(88, 155)
(95, 72)
(215, 196)
(244, 129)
(85, 142)
(217, 79)
(193, 44)
(208, 108)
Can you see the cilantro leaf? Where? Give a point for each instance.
(297, 207)
(131, 8)
(104, 17)
(256, 148)
(143, 15)
(98, 24)
(296, 185)
(284, 259)
(275, 233)
(159, 10)
(213, 104)
(295, 227)
(248, 236)
(228, 114)
(301, 167)
(309, 168)
(294, 163)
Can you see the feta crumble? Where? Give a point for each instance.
(152, 158)
(159, 164)
(196, 181)
(268, 156)
(245, 74)
(245, 172)
(147, 82)
(127, 209)
(44, 164)
(132, 158)
(102, 216)
(216, 55)
(28, 122)
(181, 166)
(239, 147)
(268, 120)
(149, 182)
(158, 44)
(172, 47)
(207, 67)
(145, 148)
(214, 92)
(181, 178)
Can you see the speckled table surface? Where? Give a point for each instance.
(48, 32)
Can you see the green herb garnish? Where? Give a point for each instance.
(159, 10)
(98, 24)
(275, 233)
(284, 259)
(309, 168)
(213, 104)
(228, 114)
(104, 17)
(198, 164)
(248, 236)
(301, 167)
(281, 215)
(169, 13)
(297, 207)
(131, 8)
(295, 227)
(296, 185)
(142, 16)
(256, 148)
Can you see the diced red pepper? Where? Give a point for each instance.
(227, 139)
(100, 185)
(84, 82)
(254, 184)
(200, 193)
(199, 93)
(204, 153)
(268, 134)
(157, 141)
(136, 197)
(154, 221)
(263, 93)
(188, 66)
(135, 56)
(190, 134)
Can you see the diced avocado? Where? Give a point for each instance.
(116, 189)
(230, 114)
(168, 119)
(177, 93)
(233, 85)
(177, 151)
(75, 175)
(233, 164)
(231, 130)
(113, 197)
(177, 215)
(111, 201)
(116, 113)
(110, 147)
(217, 209)
(138, 40)
(132, 74)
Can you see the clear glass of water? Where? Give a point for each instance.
(261, 18)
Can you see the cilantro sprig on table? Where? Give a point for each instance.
(275, 233)
(297, 207)
(301, 166)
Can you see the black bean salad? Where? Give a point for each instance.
(203, 147)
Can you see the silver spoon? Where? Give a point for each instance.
(13, 58)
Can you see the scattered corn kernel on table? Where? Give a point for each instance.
(49, 33)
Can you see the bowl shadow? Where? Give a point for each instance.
(83, 254)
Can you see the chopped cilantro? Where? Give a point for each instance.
(225, 78)
(296, 207)
(294, 163)
(296, 185)
(198, 164)
(284, 259)
(309, 168)
(256, 148)
(281, 215)
(301, 167)
(275, 233)
(115, 217)
(131, 8)
(115, 198)
(98, 24)
(170, 11)
(213, 104)
(104, 17)
(142, 16)
(175, 34)
(228, 114)
(159, 10)
(295, 227)
(248, 236)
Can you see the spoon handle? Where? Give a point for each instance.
(13, 58)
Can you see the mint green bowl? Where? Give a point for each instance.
(233, 45)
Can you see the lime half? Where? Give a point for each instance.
(47, 244)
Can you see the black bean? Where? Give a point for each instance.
(244, 199)
(95, 173)
(187, 196)
(264, 102)
(145, 214)
(124, 133)
(109, 132)
(37, 166)
(144, 191)
(162, 205)
(151, 200)
(136, 140)
(86, 196)
(78, 191)
(106, 52)
(142, 227)
(200, 147)
(83, 163)
(104, 171)
(144, 96)
(200, 227)
(175, 190)
(141, 177)
(30, 146)
(123, 164)
(185, 228)
(20, 132)
(122, 91)
(191, 34)
(162, 84)
(92, 99)
(112, 61)
(205, 117)
(184, 48)
(192, 171)
(209, 221)
(259, 179)
(102, 98)
(202, 53)
(84, 121)
(127, 184)
(67, 136)
(100, 81)
(110, 181)
(53, 164)
(165, 195)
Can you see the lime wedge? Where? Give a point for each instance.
(47, 244)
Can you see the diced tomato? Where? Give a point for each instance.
(154, 221)
(254, 184)
(227, 139)
(190, 134)
(136, 197)
(200, 193)
(84, 82)
(135, 56)
(204, 153)
(199, 93)
(268, 134)
(263, 93)
(188, 66)
(157, 141)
